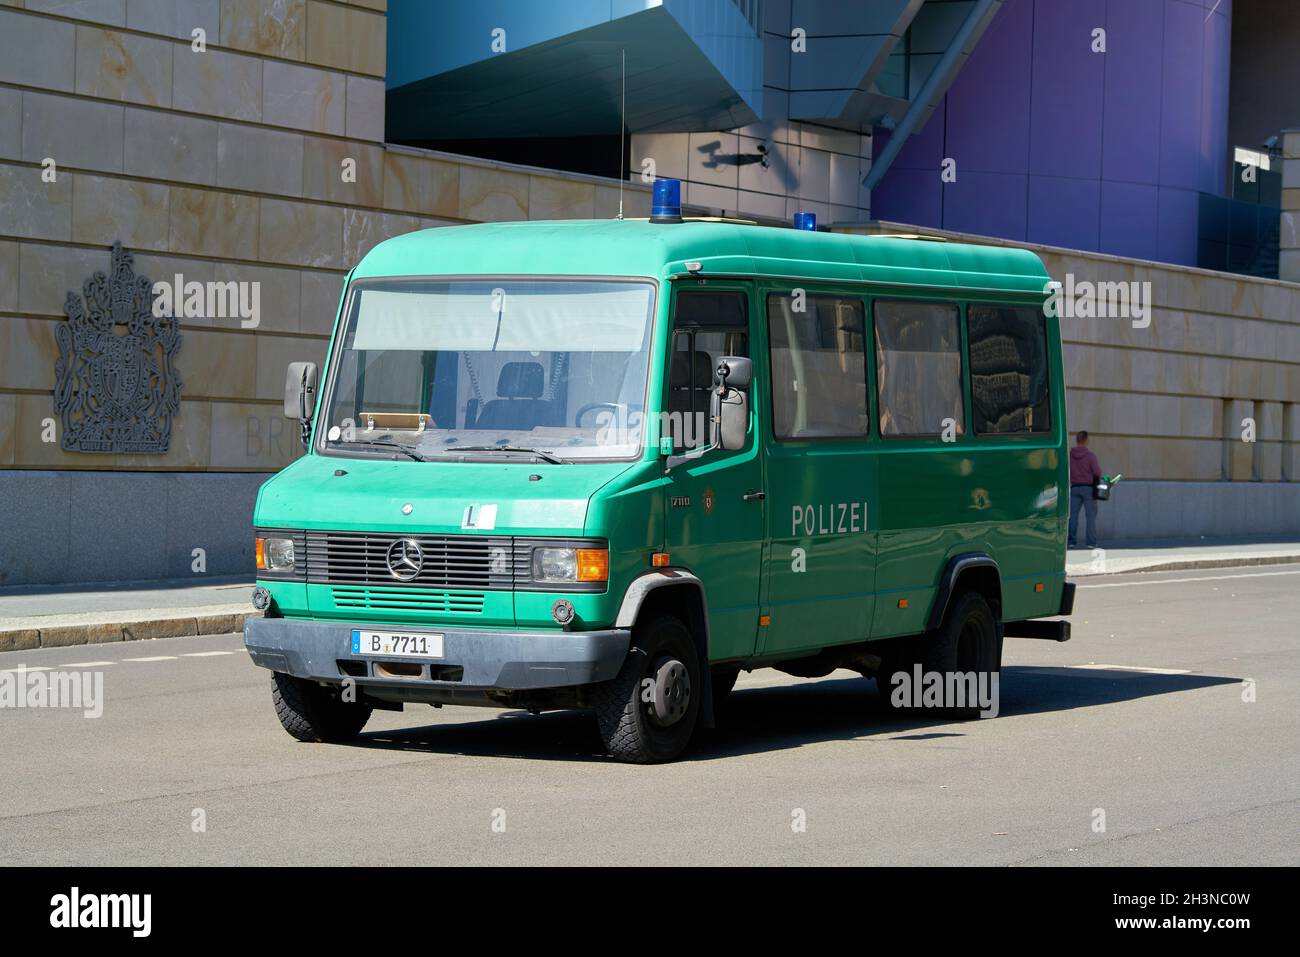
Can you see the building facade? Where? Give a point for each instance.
(270, 144)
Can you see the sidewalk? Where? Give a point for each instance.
(129, 611)
(1170, 555)
(132, 611)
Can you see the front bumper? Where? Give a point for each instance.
(489, 660)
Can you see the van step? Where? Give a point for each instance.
(1057, 630)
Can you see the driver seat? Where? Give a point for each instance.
(519, 405)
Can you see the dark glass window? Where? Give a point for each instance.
(1008, 369)
(819, 366)
(918, 367)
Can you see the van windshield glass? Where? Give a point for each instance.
(497, 367)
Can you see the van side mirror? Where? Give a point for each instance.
(300, 391)
(300, 396)
(731, 402)
(728, 412)
(735, 371)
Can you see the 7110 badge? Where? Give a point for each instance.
(397, 645)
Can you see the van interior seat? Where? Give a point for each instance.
(519, 405)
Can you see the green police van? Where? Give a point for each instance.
(608, 465)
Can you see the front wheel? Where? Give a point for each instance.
(311, 712)
(647, 713)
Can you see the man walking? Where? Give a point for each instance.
(1085, 472)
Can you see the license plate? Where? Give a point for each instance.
(396, 644)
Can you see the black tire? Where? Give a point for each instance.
(625, 716)
(312, 712)
(968, 641)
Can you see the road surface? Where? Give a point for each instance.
(1138, 724)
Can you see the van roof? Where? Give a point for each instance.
(637, 247)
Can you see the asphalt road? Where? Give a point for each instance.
(1185, 771)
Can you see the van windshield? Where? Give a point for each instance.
(507, 367)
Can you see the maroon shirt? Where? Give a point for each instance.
(1084, 467)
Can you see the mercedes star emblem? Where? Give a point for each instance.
(405, 559)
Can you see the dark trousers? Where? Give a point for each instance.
(1081, 500)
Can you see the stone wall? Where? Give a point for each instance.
(1289, 241)
(219, 165)
(809, 168)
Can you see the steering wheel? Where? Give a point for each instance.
(592, 406)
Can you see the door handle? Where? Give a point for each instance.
(754, 496)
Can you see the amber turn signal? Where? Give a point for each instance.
(593, 565)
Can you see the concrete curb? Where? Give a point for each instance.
(95, 633)
(1244, 561)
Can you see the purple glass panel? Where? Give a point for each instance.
(1129, 214)
(1066, 110)
(988, 108)
(1064, 211)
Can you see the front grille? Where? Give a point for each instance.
(455, 564)
(409, 599)
(450, 561)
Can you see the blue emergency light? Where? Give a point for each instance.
(666, 201)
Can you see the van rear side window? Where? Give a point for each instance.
(1008, 369)
(819, 366)
(918, 368)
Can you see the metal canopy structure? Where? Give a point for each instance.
(513, 68)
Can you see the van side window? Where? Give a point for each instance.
(706, 327)
(819, 366)
(1008, 369)
(918, 367)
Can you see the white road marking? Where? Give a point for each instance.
(105, 664)
(1173, 581)
(1145, 671)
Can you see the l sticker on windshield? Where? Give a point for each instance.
(480, 517)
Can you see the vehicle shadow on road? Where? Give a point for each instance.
(787, 716)
(554, 736)
(779, 717)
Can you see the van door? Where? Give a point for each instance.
(715, 510)
(821, 472)
(933, 495)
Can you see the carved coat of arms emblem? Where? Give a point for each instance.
(116, 386)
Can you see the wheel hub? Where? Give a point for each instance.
(672, 691)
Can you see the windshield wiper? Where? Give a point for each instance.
(395, 446)
(544, 456)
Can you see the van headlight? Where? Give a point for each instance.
(570, 565)
(275, 554)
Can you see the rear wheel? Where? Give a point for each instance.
(312, 712)
(967, 644)
(647, 713)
